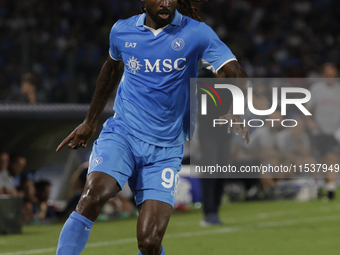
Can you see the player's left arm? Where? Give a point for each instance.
(235, 71)
(107, 82)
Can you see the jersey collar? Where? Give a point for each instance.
(176, 21)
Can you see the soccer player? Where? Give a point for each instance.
(143, 142)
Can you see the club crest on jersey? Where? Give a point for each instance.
(177, 44)
(97, 161)
(133, 64)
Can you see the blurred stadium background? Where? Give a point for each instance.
(50, 55)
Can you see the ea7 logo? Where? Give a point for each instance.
(130, 45)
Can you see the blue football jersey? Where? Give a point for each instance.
(153, 97)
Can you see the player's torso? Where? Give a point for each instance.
(163, 54)
(153, 96)
(158, 64)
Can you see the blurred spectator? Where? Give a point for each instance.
(42, 193)
(8, 176)
(35, 208)
(325, 107)
(28, 90)
(30, 201)
(6, 181)
(17, 165)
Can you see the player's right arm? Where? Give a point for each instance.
(221, 59)
(107, 82)
(234, 71)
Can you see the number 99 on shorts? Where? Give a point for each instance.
(170, 180)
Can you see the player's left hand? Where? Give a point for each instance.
(239, 130)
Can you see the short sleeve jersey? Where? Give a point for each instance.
(153, 97)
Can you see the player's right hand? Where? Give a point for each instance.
(79, 137)
(239, 130)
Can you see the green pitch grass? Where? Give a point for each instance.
(257, 228)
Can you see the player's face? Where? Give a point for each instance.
(159, 12)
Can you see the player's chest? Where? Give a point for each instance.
(162, 53)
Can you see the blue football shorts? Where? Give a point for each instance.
(152, 171)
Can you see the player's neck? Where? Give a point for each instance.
(151, 24)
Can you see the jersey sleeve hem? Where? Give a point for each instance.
(219, 69)
(116, 59)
